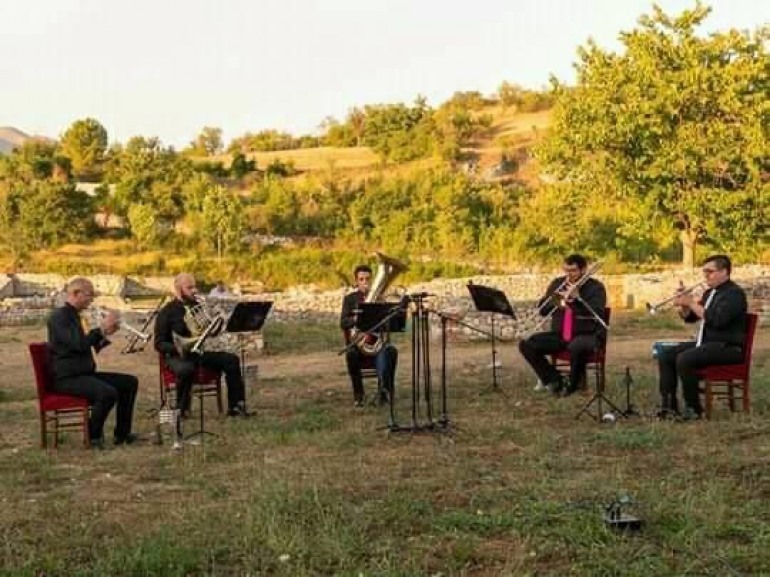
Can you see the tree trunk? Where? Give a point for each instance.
(689, 239)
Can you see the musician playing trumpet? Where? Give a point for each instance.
(574, 303)
(73, 345)
(721, 317)
(172, 319)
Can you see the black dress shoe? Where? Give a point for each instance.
(569, 390)
(238, 410)
(129, 439)
(689, 415)
(97, 444)
(556, 387)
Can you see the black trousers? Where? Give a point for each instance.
(681, 362)
(103, 391)
(219, 361)
(535, 348)
(385, 363)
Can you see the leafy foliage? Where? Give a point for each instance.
(677, 125)
(85, 144)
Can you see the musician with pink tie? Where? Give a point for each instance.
(573, 302)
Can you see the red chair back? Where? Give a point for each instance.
(737, 372)
(206, 379)
(62, 412)
(41, 363)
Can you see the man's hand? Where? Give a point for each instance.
(110, 323)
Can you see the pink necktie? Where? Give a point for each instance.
(566, 325)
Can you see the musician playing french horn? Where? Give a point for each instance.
(573, 301)
(385, 359)
(174, 319)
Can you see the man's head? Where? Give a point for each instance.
(80, 293)
(574, 267)
(363, 276)
(185, 288)
(716, 270)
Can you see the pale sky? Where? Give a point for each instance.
(163, 68)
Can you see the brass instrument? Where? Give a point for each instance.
(136, 344)
(203, 322)
(98, 314)
(654, 308)
(387, 270)
(532, 322)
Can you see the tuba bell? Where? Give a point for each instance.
(387, 271)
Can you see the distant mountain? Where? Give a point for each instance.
(11, 138)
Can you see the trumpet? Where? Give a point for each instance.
(654, 308)
(98, 314)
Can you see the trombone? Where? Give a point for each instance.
(548, 300)
(653, 309)
(136, 342)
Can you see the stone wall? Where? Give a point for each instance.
(451, 295)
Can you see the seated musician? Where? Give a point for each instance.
(721, 314)
(73, 345)
(574, 326)
(385, 360)
(171, 319)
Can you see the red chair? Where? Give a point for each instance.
(723, 381)
(596, 361)
(368, 367)
(206, 383)
(63, 412)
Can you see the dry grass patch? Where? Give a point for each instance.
(310, 486)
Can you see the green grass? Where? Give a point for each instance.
(312, 487)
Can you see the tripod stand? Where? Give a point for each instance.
(630, 409)
(598, 397)
(421, 373)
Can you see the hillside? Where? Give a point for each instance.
(511, 133)
(11, 138)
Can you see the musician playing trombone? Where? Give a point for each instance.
(73, 345)
(721, 317)
(573, 301)
(172, 319)
(386, 358)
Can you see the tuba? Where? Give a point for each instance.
(387, 270)
(203, 322)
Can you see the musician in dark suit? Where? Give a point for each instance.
(172, 319)
(721, 317)
(385, 360)
(72, 345)
(574, 326)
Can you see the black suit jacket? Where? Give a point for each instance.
(347, 316)
(592, 292)
(725, 318)
(170, 320)
(71, 348)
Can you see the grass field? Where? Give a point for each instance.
(310, 486)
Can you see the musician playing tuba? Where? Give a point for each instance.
(573, 301)
(172, 326)
(384, 353)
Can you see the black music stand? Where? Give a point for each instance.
(390, 317)
(247, 317)
(491, 300)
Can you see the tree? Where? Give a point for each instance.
(208, 142)
(144, 224)
(85, 143)
(222, 219)
(677, 123)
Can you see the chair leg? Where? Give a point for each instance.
(56, 429)
(219, 397)
(86, 434)
(746, 398)
(731, 396)
(709, 399)
(43, 431)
